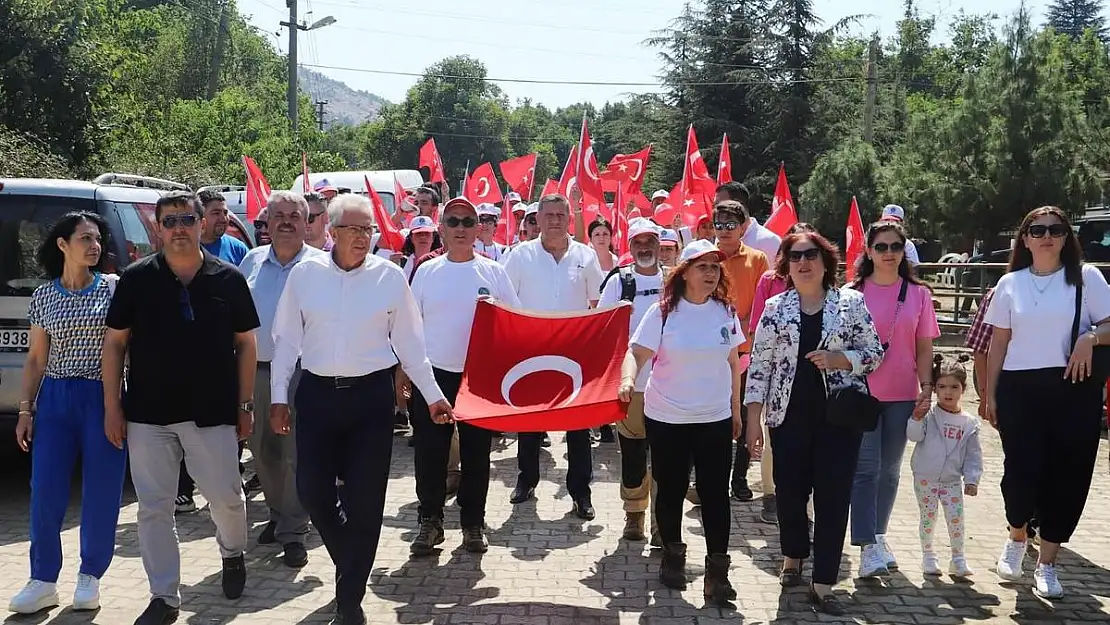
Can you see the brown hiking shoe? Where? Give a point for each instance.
(634, 525)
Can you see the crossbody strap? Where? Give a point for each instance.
(1078, 311)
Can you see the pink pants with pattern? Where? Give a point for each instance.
(950, 496)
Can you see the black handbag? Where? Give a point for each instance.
(850, 407)
(1100, 357)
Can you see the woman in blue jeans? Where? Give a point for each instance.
(61, 413)
(902, 308)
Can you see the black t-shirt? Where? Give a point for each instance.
(183, 365)
(807, 395)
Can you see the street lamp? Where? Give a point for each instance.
(320, 23)
(293, 26)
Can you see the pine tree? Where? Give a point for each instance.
(1072, 17)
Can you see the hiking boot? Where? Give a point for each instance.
(474, 540)
(718, 590)
(634, 526)
(607, 434)
(430, 535)
(672, 570)
(770, 512)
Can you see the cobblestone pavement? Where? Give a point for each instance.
(545, 566)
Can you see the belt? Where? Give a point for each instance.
(262, 364)
(341, 382)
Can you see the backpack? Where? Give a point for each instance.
(628, 282)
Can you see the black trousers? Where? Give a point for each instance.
(579, 456)
(673, 447)
(813, 456)
(743, 457)
(346, 429)
(634, 460)
(433, 447)
(1050, 430)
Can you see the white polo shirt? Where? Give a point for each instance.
(543, 284)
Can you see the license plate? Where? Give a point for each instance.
(14, 339)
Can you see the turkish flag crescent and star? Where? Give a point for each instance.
(536, 372)
(482, 186)
(429, 157)
(854, 238)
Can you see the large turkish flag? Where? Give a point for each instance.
(529, 371)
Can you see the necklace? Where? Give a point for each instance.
(1042, 274)
(1042, 290)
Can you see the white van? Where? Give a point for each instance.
(354, 180)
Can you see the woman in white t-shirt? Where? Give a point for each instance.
(691, 408)
(601, 241)
(1040, 393)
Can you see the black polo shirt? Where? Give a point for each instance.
(182, 350)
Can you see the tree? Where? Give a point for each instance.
(1073, 17)
(851, 170)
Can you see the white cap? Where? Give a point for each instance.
(668, 236)
(488, 209)
(642, 226)
(512, 196)
(421, 223)
(532, 209)
(660, 194)
(893, 212)
(699, 248)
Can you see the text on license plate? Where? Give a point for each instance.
(14, 339)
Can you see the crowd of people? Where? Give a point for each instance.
(743, 347)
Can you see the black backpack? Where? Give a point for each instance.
(628, 282)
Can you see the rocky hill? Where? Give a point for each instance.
(344, 104)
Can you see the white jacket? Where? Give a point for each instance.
(940, 459)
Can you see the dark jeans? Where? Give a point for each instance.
(346, 429)
(1050, 430)
(634, 460)
(433, 446)
(673, 447)
(579, 455)
(743, 457)
(811, 455)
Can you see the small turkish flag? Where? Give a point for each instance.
(482, 187)
(566, 179)
(520, 173)
(391, 238)
(258, 189)
(854, 240)
(695, 175)
(533, 372)
(429, 157)
(724, 163)
(783, 215)
(586, 172)
(628, 169)
(549, 187)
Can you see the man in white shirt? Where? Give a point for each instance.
(641, 285)
(349, 317)
(488, 215)
(555, 273)
(447, 289)
(267, 268)
(893, 212)
(752, 234)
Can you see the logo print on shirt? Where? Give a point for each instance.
(724, 336)
(483, 291)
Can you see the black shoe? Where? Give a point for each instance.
(521, 494)
(788, 578)
(584, 508)
(295, 555)
(400, 424)
(253, 485)
(234, 577)
(770, 512)
(267, 535)
(672, 570)
(607, 434)
(350, 617)
(184, 504)
(430, 535)
(829, 604)
(158, 613)
(718, 590)
(546, 442)
(474, 540)
(741, 492)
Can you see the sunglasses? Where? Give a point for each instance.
(726, 225)
(1056, 231)
(455, 222)
(312, 217)
(358, 230)
(487, 220)
(186, 304)
(258, 225)
(169, 222)
(796, 256)
(883, 248)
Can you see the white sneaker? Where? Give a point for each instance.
(87, 594)
(888, 555)
(930, 565)
(36, 596)
(1011, 560)
(1045, 582)
(871, 562)
(959, 569)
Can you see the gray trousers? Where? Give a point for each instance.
(275, 462)
(212, 457)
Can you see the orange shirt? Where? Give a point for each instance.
(744, 268)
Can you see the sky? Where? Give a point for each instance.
(581, 41)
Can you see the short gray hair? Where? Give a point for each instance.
(553, 198)
(287, 197)
(348, 202)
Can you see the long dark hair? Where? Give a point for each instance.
(675, 287)
(867, 266)
(600, 222)
(1071, 256)
(51, 257)
(409, 248)
(830, 257)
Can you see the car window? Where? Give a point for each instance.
(24, 223)
(138, 228)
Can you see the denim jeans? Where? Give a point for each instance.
(880, 463)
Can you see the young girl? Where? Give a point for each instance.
(947, 461)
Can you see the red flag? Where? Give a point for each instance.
(305, 183)
(400, 198)
(391, 238)
(783, 215)
(627, 169)
(586, 172)
(519, 173)
(549, 187)
(691, 206)
(482, 186)
(620, 222)
(724, 163)
(854, 239)
(695, 175)
(429, 157)
(531, 372)
(567, 177)
(258, 190)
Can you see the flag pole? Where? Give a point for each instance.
(581, 156)
(462, 184)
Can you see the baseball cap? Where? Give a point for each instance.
(458, 202)
(660, 194)
(532, 209)
(488, 209)
(893, 212)
(512, 196)
(421, 223)
(642, 226)
(324, 186)
(697, 249)
(668, 237)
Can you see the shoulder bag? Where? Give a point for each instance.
(1100, 358)
(849, 407)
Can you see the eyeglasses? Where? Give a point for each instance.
(258, 225)
(186, 304)
(363, 231)
(796, 256)
(487, 220)
(169, 222)
(883, 248)
(1056, 231)
(726, 225)
(455, 222)
(312, 217)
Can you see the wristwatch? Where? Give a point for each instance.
(247, 406)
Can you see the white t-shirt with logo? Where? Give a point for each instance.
(648, 291)
(447, 295)
(690, 381)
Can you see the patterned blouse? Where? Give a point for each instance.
(74, 321)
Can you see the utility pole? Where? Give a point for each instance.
(872, 90)
(320, 104)
(293, 26)
(218, 53)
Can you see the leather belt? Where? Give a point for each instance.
(340, 382)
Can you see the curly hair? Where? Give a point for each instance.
(674, 288)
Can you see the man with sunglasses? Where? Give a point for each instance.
(186, 320)
(488, 215)
(893, 212)
(751, 233)
(316, 232)
(446, 289)
(262, 228)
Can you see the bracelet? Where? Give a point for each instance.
(24, 402)
(25, 412)
(1094, 335)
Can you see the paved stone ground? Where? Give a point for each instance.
(546, 567)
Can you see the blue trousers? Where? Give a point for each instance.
(877, 471)
(70, 425)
